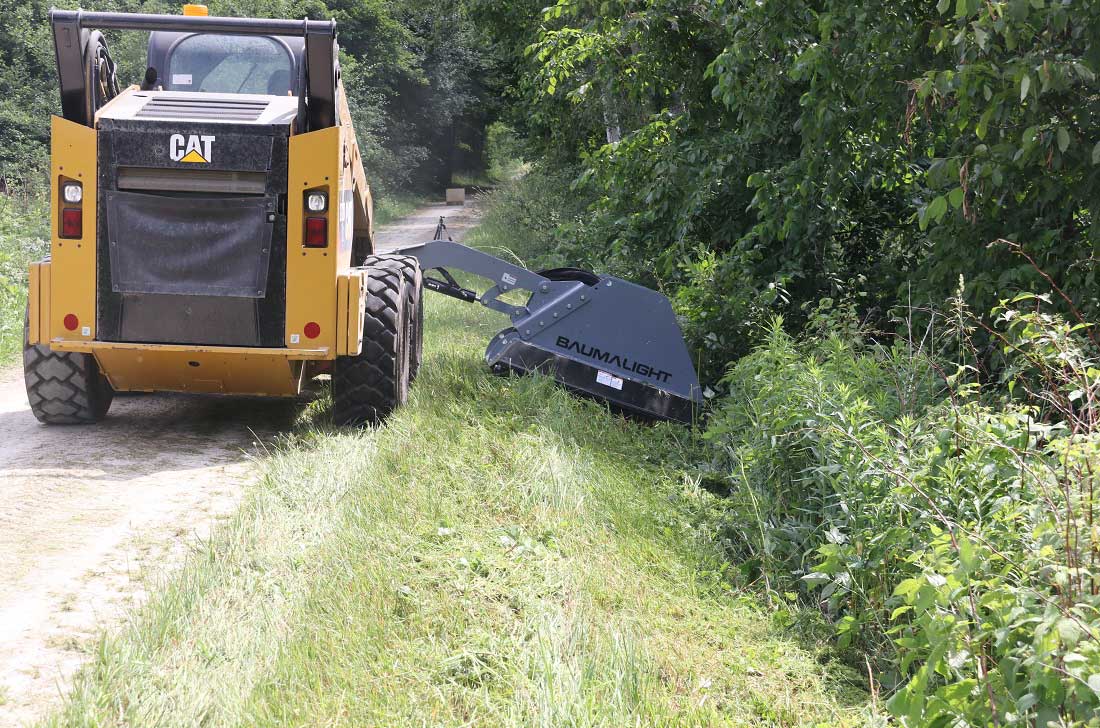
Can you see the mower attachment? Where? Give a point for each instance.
(598, 335)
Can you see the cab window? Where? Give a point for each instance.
(232, 64)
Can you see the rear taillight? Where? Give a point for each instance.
(71, 195)
(316, 232)
(72, 223)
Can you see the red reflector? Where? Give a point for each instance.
(312, 330)
(71, 224)
(316, 232)
(71, 321)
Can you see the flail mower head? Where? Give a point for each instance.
(597, 335)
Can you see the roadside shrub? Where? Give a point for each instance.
(950, 539)
(540, 220)
(24, 237)
(505, 152)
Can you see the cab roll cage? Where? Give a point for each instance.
(72, 28)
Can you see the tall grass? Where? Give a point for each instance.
(949, 532)
(390, 207)
(498, 554)
(24, 237)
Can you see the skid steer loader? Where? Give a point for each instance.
(211, 228)
(211, 232)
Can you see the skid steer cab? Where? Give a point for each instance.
(211, 226)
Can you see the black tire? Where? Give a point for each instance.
(362, 248)
(414, 298)
(64, 388)
(368, 387)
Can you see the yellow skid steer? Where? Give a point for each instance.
(211, 228)
(211, 232)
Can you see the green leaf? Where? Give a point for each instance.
(967, 557)
(981, 37)
(906, 588)
(983, 123)
(1096, 154)
(955, 197)
(900, 702)
(937, 209)
(1063, 139)
(943, 6)
(1025, 85)
(1094, 683)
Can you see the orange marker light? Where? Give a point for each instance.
(195, 10)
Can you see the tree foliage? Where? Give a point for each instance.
(416, 82)
(761, 156)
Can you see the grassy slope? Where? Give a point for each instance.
(498, 554)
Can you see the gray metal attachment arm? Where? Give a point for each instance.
(550, 301)
(445, 254)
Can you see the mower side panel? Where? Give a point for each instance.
(73, 154)
(362, 200)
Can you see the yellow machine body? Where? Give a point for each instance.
(322, 287)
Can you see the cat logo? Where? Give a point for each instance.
(193, 149)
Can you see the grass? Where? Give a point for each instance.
(396, 206)
(24, 237)
(499, 553)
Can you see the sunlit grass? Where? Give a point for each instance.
(499, 553)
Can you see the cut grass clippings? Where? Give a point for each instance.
(498, 554)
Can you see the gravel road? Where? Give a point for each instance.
(89, 516)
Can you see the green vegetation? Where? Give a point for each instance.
(395, 207)
(877, 224)
(418, 88)
(500, 553)
(758, 157)
(950, 541)
(24, 237)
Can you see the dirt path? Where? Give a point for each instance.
(89, 515)
(419, 227)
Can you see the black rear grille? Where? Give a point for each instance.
(248, 166)
(188, 107)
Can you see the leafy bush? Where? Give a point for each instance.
(540, 221)
(505, 153)
(825, 148)
(24, 237)
(950, 539)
